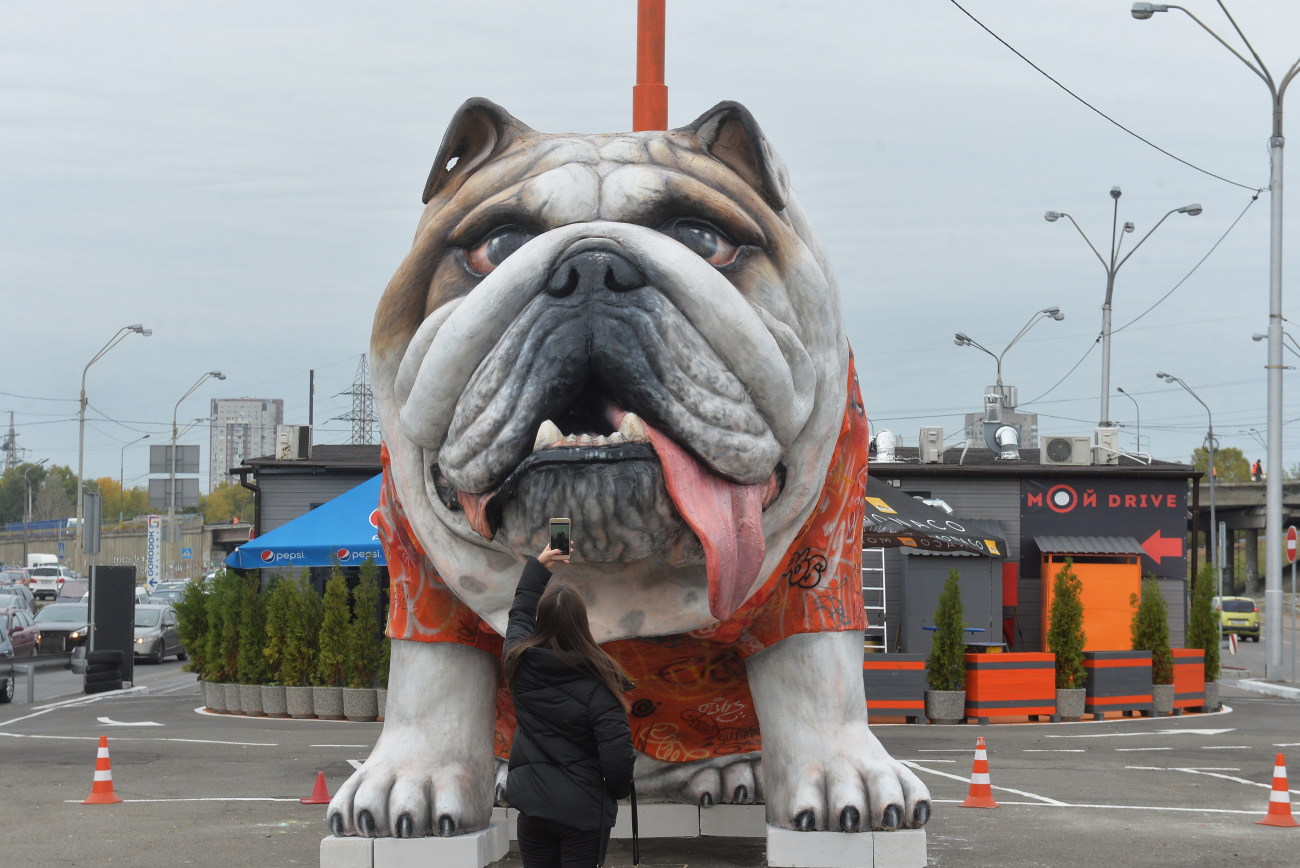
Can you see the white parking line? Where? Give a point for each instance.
(1054, 750)
(1043, 799)
(138, 738)
(207, 799)
(1139, 749)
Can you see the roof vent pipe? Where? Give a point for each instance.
(886, 443)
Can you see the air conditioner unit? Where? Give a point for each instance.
(292, 442)
(1075, 450)
(1107, 448)
(930, 450)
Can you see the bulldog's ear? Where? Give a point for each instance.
(480, 130)
(730, 133)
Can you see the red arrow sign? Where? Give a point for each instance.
(1159, 547)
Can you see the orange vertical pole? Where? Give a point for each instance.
(650, 95)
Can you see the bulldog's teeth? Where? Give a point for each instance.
(614, 439)
(572, 438)
(598, 440)
(632, 428)
(584, 440)
(547, 434)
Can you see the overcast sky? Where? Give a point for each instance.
(244, 177)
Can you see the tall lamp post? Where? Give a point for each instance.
(963, 340)
(81, 425)
(121, 488)
(171, 474)
(1273, 486)
(1137, 411)
(1214, 524)
(1113, 263)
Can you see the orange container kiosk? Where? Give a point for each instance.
(1110, 570)
(1019, 684)
(1189, 679)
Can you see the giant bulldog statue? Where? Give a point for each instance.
(639, 331)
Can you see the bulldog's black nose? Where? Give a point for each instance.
(593, 270)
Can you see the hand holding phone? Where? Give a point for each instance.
(561, 533)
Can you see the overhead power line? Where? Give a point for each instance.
(1098, 111)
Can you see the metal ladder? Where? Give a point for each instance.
(873, 598)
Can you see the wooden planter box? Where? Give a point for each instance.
(1189, 679)
(1011, 685)
(895, 685)
(1117, 681)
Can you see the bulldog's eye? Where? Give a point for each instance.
(704, 240)
(493, 251)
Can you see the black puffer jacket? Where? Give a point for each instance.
(572, 753)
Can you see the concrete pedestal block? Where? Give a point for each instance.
(474, 850)
(733, 821)
(659, 821)
(347, 852)
(901, 849)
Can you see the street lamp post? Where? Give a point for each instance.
(1112, 266)
(1273, 486)
(81, 426)
(173, 537)
(963, 340)
(1214, 524)
(27, 516)
(1137, 411)
(121, 488)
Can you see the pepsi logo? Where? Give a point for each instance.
(267, 556)
(343, 554)
(374, 517)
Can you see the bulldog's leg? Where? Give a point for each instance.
(736, 779)
(431, 771)
(823, 768)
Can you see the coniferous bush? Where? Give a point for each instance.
(221, 663)
(364, 633)
(251, 659)
(1150, 630)
(332, 643)
(192, 625)
(1065, 636)
(945, 668)
(1203, 621)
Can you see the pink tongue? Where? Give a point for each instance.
(727, 517)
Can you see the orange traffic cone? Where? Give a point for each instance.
(319, 794)
(1279, 799)
(981, 792)
(101, 791)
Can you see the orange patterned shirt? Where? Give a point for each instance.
(691, 699)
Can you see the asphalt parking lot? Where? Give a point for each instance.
(202, 789)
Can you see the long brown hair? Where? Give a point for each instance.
(562, 626)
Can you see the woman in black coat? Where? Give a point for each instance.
(572, 753)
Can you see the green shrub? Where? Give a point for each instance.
(1203, 621)
(251, 661)
(945, 668)
(1065, 636)
(221, 650)
(192, 625)
(332, 636)
(364, 633)
(289, 634)
(1150, 630)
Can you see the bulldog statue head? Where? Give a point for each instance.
(638, 331)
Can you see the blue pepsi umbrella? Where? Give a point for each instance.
(342, 531)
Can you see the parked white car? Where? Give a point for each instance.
(47, 581)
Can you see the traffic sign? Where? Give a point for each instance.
(1291, 544)
(187, 553)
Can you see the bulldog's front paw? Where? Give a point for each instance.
(733, 780)
(405, 793)
(847, 783)
(430, 773)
